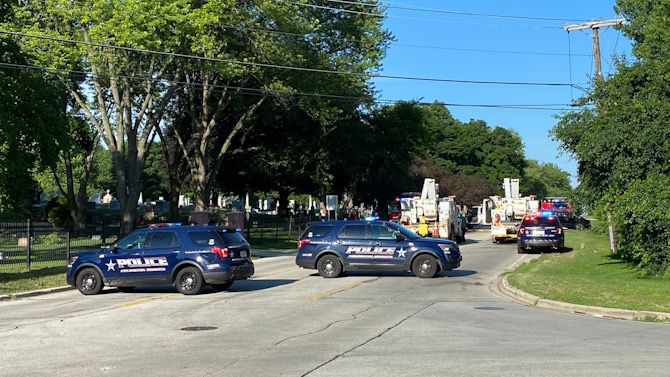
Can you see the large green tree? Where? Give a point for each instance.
(222, 98)
(473, 148)
(126, 90)
(545, 179)
(32, 123)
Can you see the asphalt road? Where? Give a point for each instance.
(288, 321)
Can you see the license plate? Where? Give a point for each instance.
(538, 232)
(243, 254)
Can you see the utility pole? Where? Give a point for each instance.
(595, 26)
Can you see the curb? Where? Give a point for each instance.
(35, 293)
(502, 286)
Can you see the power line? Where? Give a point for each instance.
(259, 91)
(302, 69)
(393, 5)
(414, 18)
(301, 35)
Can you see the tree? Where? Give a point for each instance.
(545, 179)
(221, 98)
(473, 148)
(32, 127)
(129, 90)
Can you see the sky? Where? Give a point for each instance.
(454, 46)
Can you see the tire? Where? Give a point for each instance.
(579, 226)
(125, 289)
(425, 266)
(329, 266)
(189, 281)
(89, 281)
(223, 286)
(520, 249)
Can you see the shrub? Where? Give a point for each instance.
(642, 223)
(58, 211)
(49, 239)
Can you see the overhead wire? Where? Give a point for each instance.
(414, 18)
(393, 5)
(303, 69)
(260, 91)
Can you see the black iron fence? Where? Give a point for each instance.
(36, 242)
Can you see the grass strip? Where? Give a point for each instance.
(15, 278)
(589, 274)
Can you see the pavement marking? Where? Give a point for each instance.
(278, 272)
(150, 299)
(337, 290)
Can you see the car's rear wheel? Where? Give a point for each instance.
(189, 281)
(89, 281)
(425, 266)
(222, 286)
(329, 266)
(520, 250)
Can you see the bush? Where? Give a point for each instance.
(49, 239)
(642, 224)
(58, 211)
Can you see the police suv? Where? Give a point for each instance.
(333, 247)
(187, 257)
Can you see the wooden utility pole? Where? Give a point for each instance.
(595, 26)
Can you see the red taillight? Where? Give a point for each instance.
(302, 242)
(522, 230)
(222, 251)
(559, 230)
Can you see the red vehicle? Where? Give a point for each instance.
(556, 204)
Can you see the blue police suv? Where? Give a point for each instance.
(187, 257)
(333, 247)
(540, 230)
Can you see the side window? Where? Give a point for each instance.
(353, 231)
(162, 240)
(382, 232)
(316, 231)
(132, 241)
(205, 238)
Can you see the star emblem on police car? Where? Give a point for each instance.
(401, 252)
(110, 265)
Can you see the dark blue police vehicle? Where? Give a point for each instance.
(540, 230)
(187, 257)
(333, 247)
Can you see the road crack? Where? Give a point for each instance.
(369, 340)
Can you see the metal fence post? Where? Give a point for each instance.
(104, 233)
(67, 244)
(28, 238)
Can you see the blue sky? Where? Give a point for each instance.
(437, 45)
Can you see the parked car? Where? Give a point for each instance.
(187, 257)
(540, 230)
(573, 221)
(334, 247)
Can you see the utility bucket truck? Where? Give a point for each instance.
(507, 212)
(431, 216)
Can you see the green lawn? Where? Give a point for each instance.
(591, 275)
(15, 278)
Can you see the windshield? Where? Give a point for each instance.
(406, 232)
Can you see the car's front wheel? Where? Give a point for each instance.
(579, 226)
(189, 281)
(329, 266)
(425, 266)
(89, 281)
